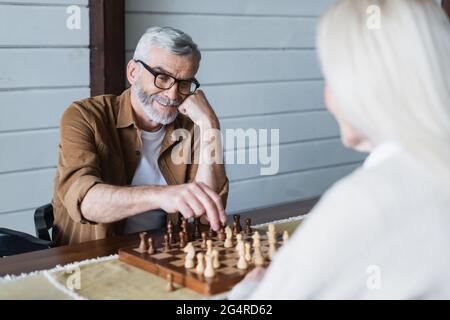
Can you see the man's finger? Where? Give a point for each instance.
(186, 210)
(210, 206)
(196, 205)
(217, 200)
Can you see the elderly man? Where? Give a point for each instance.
(117, 172)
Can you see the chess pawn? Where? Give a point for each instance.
(143, 243)
(209, 269)
(242, 263)
(182, 240)
(221, 234)
(185, 230)
(285, 236)
(271, 228)
(248, 255)
(171, 238)
(170, 231)
(237, 218)
(271, 233)
(196, 234)
(169, 226)
(229, 238)
(170, 286)
(204, 238)
(248, 229)
(235, 229)
(200, 266)
(209, 245)
(166, 244)
(256, 239)
(190, 255)
(240, 243)
(215, 255)
(151, 249)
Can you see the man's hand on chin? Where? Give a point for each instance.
(198, 109)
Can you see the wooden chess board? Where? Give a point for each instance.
(227, 275)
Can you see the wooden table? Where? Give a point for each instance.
(47, 259)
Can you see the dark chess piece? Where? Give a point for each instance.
(151, 249)
(237, 219)
(182, 240)
(170, 225)
(180, 220)
(221, 234)
(170, 232)
(196, 234)
(166, 244)
(184, 228)
(248, 229)
(204, 238)
(235, 229)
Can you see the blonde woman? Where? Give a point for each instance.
(384, 230)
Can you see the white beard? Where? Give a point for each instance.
(150, 110)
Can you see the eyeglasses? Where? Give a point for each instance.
(165, 81)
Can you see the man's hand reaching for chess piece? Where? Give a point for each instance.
(193, 200)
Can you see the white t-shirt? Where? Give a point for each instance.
(148, 173)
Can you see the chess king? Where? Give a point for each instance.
(116, 171)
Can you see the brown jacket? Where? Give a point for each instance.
(100, 143)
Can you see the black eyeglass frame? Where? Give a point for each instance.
(175, 80)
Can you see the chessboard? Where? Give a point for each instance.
(168, 259)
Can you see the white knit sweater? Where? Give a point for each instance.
(383, 232)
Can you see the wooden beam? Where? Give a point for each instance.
(107, 46)
(446, 6)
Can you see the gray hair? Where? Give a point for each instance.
(383, 94)
(174, 40)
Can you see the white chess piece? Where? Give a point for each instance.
(256, 239)
(216, 263)
(248, 255)
(242, 263)
(200, 266)
(229, 238)
(209, 245)
(271, 229)
(271, 233)
(240, 243)
(190, 255)
(285, 236)
(209, 270)
(258, 258)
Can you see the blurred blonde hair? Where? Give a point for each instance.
(392, 83)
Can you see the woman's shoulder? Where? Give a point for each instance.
(397, 184)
